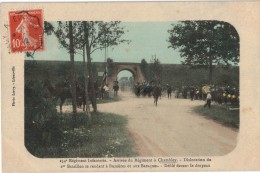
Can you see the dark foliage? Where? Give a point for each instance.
(144, 68)
(205, 43)
(41, 119)
(155, 68)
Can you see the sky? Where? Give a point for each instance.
(124, 73)
(147, 39)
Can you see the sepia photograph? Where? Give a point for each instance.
(127, 89)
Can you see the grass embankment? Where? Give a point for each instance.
(221, 114)
(106, 136)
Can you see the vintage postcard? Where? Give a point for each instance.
(140, 86)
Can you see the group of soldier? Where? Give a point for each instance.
(219, 94)
(216, 93)
(144, 89)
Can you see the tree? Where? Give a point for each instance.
(100, 35)
(79, 45)
(205, 43)
(66, 38)
(90, 36)
(144, 68)
(155, 67)
(92, 92)
(86, 85)
(73, 80)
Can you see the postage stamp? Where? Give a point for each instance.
(26, 30)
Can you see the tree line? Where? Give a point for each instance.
(205, 44)
(201, 44)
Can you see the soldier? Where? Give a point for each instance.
(115, 87)
(192, 93)
(185, 92)
(106, 91)
(208, 100)
(169, 91)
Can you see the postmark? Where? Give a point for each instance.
(26, 31)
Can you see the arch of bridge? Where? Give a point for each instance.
(133, 68)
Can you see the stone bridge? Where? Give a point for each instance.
(134, 68)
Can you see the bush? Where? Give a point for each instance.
(42, 127)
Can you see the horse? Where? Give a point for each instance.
(80, 96)
(156, 93)
(148, 90)
(62, 91)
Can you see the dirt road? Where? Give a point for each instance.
(171, 128)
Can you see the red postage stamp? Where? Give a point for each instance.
(26, 30)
